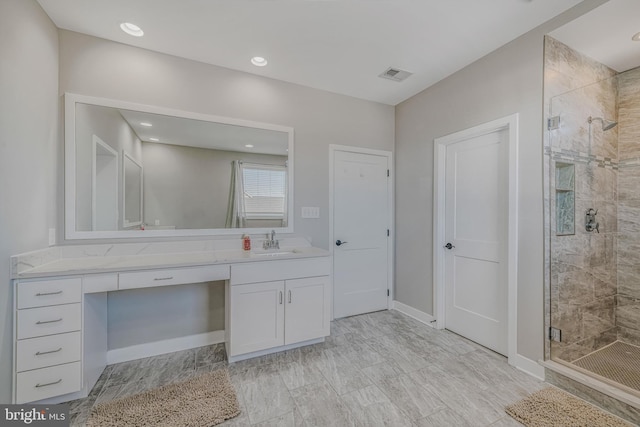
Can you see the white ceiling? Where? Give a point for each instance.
(335, 45)
(604, 34)
(203, 134)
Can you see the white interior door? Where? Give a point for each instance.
(476, 209)
(361, 223)
(105, 186)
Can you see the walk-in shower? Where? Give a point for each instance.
(592, 208)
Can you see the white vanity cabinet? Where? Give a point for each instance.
(61, 314)
(271, 315)
(48, 342)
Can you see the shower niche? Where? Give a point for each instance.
(565, 199)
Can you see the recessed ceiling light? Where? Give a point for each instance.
(131, 29)
(258, 61)
(154, 139)
(146, 124)
(249, 146)
(636, 37)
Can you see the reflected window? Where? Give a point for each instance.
(264, 189)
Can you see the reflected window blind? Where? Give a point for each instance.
(264, 190)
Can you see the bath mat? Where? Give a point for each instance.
(553, 407)
(203, 401)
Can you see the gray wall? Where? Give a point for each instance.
(28, 150)
(507, 81)
(188, 187)
(97, 67)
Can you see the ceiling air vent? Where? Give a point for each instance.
(395, 74)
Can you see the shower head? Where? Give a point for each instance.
(606, 124)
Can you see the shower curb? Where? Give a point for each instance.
(624, 405)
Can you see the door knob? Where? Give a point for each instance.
(340, 242)
(449, 246)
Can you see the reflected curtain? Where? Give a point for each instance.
(236, 215)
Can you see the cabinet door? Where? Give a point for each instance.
(307, 309)
(257, 317)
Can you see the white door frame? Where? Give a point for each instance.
(510, 124)
(390, 203)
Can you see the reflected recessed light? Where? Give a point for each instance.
(636, 37)
(258, 61)
(131, 29)
(146, 124)
(154, 139)
(249, 146)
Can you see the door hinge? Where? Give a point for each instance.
(555, 334)
(387, 172)
(387, 232)
(388, 293)
(553, 123)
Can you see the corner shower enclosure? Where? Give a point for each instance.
(592, 212)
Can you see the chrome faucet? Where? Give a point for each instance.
(271, 242)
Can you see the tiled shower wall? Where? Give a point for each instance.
(628, 307)
(582, 284)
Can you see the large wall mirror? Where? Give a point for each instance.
(181, 173)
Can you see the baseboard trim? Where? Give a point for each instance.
(258, 353)
(528, 366)
(420, 316)
(139, 351)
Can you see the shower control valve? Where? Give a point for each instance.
(591, 224)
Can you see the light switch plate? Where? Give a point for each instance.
(310, 212)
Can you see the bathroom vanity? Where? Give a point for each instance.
(274, 300)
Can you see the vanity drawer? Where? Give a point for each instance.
(267, 271)
(57, 319)
(35, 353)
(49, 292)
(48, 382)
(173, 276)
(99, 283)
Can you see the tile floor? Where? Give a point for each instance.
(377, 369)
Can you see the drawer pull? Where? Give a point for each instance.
(163, 278)
(40, 353)
(42, 322)
(41, 294)
(53, 383)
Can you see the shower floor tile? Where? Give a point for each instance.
(619, 362)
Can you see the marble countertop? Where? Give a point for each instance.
(107, 264)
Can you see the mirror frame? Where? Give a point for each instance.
(71, 233)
